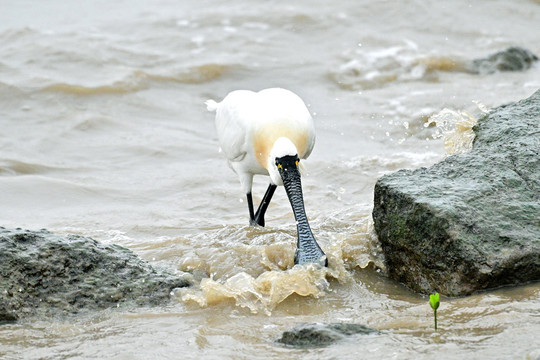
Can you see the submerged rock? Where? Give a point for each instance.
(317, 334)
(511, 59)
(43, 273)
(472, 221)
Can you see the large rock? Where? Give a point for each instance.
(472, 221)
(318, 334)
(43, 273)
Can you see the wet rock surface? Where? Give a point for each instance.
(512, 59)
(47, 274)
(472, 221)
(319, 335)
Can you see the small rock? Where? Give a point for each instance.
(511, 59)
(318, 334)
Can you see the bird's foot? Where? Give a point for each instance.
(255, 222)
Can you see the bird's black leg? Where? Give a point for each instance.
(250, 207)
(259, 215)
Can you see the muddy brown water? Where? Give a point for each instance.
(104, 133)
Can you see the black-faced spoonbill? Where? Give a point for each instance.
(267, 133)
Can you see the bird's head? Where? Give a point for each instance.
(283, 161)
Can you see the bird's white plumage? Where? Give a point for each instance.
(249, 125)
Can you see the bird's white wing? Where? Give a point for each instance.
(231, 116)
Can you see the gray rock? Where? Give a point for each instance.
(511, 59)
(318, 335)
(472, 221)
(46, 274)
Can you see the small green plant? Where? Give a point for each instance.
(434, 302)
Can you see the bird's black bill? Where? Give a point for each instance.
(308, 250)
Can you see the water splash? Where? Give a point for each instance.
(455, 127)
(262, 293)
(253, 267)
(377, 67)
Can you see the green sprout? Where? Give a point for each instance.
(434, 302)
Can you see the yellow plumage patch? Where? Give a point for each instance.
(265, 138)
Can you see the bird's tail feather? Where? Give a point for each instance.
(211, 105)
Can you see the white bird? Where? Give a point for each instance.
(267, 133)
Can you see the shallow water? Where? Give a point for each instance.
(104, 133)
